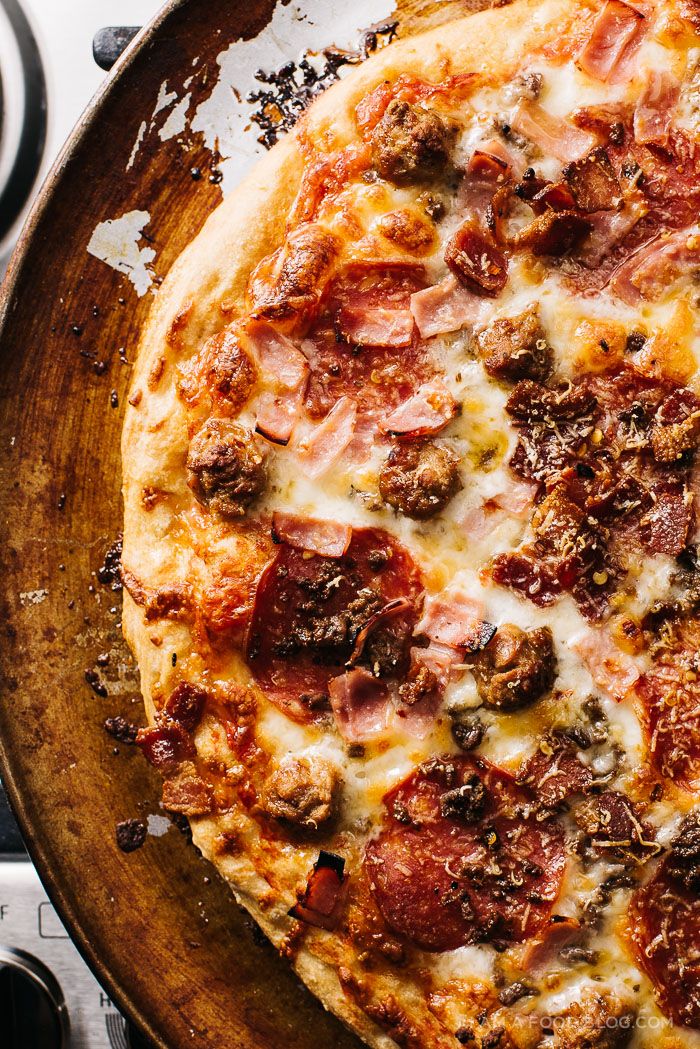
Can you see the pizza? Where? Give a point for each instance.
(410, 549)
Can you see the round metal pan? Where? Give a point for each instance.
(158, 927)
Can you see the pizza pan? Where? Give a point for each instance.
(134, 185)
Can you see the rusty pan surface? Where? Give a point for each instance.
(159, 928)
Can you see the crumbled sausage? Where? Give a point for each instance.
(593, 182)
(420, 682)
(468, 733)
(684, 858)
(615, 828)
(419, 478)
(301, 791)
(595, 1020)
(466, 802)
(516, 668)
(410, 144)
(515, 348)
(408, 230)
(226, 467)
(532, 402)
(552, 233)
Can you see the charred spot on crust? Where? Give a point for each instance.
(410, 143)
(419, 478)
(226, 468)
(515, 348)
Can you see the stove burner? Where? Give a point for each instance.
(22, 112)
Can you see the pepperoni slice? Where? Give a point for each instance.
(664, 923)
(378, 377)
(463, 857)
(670, 696)
(310, 610)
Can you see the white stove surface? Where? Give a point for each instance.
(64, 30)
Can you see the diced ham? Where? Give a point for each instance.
(327, 538)
(617, 33)
(360, 705)
(608, 229)
(611, 669)
(428, 412)
(277, 415)
(375, 327)
(479, 521)
(327, 441)
(286, 372)
(556, 137)
(278, 357)
(517, 499)
(444, 307)
(656, 266)
(455, 620)
(654, 110)
(539, 953)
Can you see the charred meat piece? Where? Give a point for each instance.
(410, 143)
(476, 261)
(466, 802)
(419, 478)
(516, 668)
(286, 287)
(593, 182)
(421, 681)
(226, 468)
(552, 233)
(515, 348)
(614, 826)
(559, 524)
(596, 1020)
(683, 863)
(671, 441)
(532, 402)
(302, 792)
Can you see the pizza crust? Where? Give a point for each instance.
(210, 277)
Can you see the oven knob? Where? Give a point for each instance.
(32, 1008)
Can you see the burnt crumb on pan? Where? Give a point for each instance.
(120, 729)
(109, 572)
(114, 399)
(61, 502)
(130, 835)
(96, 683)
(290, 89)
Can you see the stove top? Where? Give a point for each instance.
(53, 54)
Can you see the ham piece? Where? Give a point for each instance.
(327, 538)
(424, 414)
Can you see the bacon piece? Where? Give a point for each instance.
(654, 109)
(476, 261)
(360, 705)
(165, 746)
(455, 620)
(593, 182)
(367, 327)
(533, 580)
(555, 137)
(321, 903)
(664, 926)
(430, 869)
(327, 442)
(328, 538)
(186, 704)
(611, 669)
(425, 414)
(552, 233)
(445, 307)
(617, 33)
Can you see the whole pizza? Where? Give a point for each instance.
(410, 548)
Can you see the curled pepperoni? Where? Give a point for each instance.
(310, 611)
(463, 858)
(664, 923)
(378, 377)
